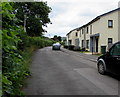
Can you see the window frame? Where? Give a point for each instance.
(76, 34)
(110, 23)
(87, 30)
(110, 40)
(90, 29)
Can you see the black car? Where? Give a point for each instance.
(110, 61)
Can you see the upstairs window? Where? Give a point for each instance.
(110, 23)
(87, 30)
(90, 29)
(76, 34)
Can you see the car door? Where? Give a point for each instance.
(114, 59)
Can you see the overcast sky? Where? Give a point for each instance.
(67, 15)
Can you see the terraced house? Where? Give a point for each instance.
(98, 34)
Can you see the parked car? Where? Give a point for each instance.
(110, 61)
(56, 46)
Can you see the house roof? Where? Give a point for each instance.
(72, 30)
(95, 19)
(110, 12)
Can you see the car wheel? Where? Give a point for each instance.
(101, 68)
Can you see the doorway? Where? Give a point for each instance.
(97, 44)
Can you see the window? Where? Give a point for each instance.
(110, 23)
(87, 43)
(90, 29)
(87, 30)
(109, 40)
(76, 34)
(115, 51)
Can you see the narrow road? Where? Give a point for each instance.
(67, 73)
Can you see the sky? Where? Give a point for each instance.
(67, 15)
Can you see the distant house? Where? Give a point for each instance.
(99, 33)
(72, 36)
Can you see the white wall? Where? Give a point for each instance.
(101, 26)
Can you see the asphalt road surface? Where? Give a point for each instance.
(67, 73)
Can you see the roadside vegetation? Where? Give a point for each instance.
(18, 44)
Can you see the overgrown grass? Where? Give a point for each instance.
(39, 42)
(33, 43)
(17, 68)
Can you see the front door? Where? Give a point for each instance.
(96, 44)
(77, 42)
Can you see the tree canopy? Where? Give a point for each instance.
(57, 38)
(36, 15)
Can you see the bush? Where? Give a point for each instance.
(66, 46)
(76, 48)
(71, 47)
(17, 48)
(83, 49)
(39, 42)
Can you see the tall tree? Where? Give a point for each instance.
(33, 15)
(59, 38)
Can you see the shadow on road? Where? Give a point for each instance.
(113, 76)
